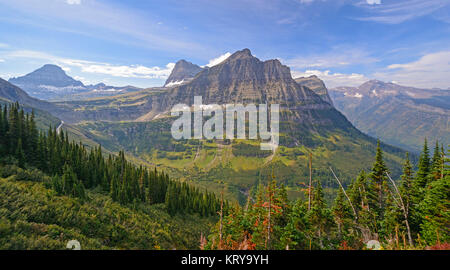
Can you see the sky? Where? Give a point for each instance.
(343, 42)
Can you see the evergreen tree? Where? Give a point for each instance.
(320, 218)
(20, 155)
(437, 163)
(424, 169)
(343, 217)
(378, 185)
(435, 209)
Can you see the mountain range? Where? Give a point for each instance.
(139, 122)
(50, 82)
(396, 114)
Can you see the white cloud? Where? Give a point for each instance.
(430, 70)
(373, 2)
(333, 79)
(125, 71)
(133, 71)
(218, 60)
(1, 60)
(73, 2)
(338, 57)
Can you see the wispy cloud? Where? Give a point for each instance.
(124, 71)
(73, 2)
(400, 11)
(333, 79)
(338, 57)
(128, 24)
(373, 2)
(218, 60)
(430, 70)
(1, 60)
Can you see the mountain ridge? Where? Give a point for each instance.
(399, 115)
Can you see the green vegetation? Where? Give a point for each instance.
(30, 155)
(36, 217)
(371, 207)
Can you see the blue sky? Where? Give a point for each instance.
(344, 42)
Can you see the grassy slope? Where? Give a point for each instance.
(33, 217)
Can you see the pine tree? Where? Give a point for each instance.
(342, 215)
(378, 185)
(435, 208)
(20, 155)
(436, 163)
(424, 167)
(320, 217)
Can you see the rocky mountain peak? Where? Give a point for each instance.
(242, 54)
(243, 78)
(183, 72)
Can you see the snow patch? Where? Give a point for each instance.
(356, 95)
(173, 83)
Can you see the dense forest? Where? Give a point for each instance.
(73, 168)
(48, 170)
(411, 213)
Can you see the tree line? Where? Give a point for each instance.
(74, 168)
(410, 213)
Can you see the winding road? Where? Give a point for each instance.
(58, 129)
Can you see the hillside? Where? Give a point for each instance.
(399, 115)
(35, 217)
(13, 93)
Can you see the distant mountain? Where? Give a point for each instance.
(50, 82)
(182, 73)
(100, 90)
(47, 82)
(317, 85)
(397, 114)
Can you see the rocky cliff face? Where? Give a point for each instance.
(316, 85)
(243, 78)
(47, 82)
(183, 72)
